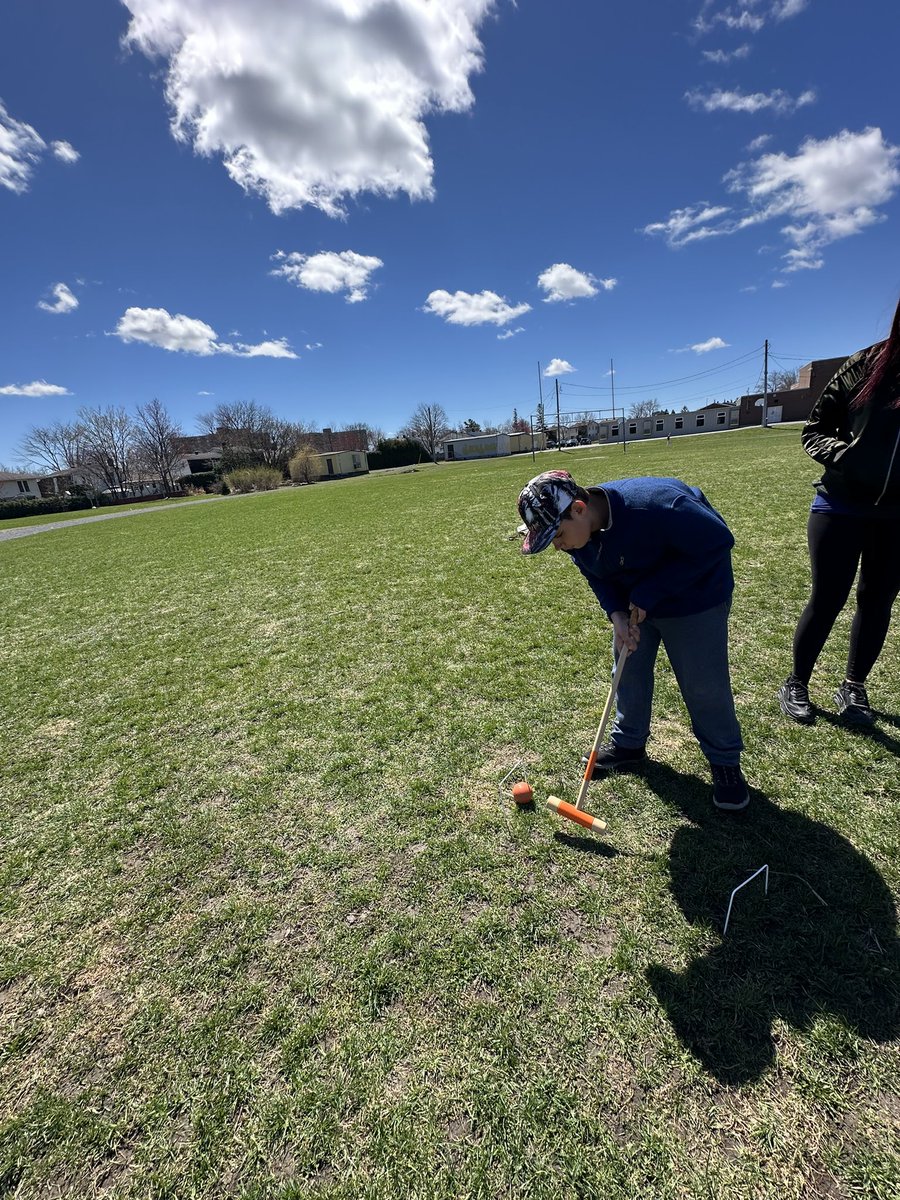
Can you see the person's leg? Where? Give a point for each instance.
(634, 700)
(835, 545)
(878, 587)
(697, 647)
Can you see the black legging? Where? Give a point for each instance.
(839, 544)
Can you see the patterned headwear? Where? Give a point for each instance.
(542, 503)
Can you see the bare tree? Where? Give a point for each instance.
(56, 447)
(428, 425)
(154, 443)
(253, 436)
(783, 381)
(645, 408)
(108, 444)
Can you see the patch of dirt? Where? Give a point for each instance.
(594, 939)
(55, 729)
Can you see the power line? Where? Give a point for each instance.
(668, 382)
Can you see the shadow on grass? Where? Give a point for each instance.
(873, 732)
(797, 955)
(586, 845)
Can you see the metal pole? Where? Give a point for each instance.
(612, 384)
(531, 423)
(765, 415)
(558, 438)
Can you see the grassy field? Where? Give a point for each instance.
(100, 511)
(268, 930)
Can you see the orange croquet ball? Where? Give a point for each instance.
(522, 793)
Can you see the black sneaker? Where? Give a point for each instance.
(730, 791)
(793, 696)
(611, 757)
(853, 704)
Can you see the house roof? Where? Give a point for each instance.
(12, 476)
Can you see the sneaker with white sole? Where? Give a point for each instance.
(853, 704)
(730, 791)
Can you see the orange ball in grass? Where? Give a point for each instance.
(522, 793)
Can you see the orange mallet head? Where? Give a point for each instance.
(578, 815)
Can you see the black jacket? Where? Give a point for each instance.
(859, 448)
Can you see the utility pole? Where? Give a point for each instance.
(765, 404)
(612, 385)
(558, 438)
(531, 423)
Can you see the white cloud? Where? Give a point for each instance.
(557, 366)
(759, 142)
(329, 271)
(313, 102)
(39, 388)
(725, 56)
(65, 302)
(21, 147)
(713, 343)
(313, 345)
(828, 190)
(750, 288)
(65, 152)
(563, 282)
(788, 8)
(157, 327)
(689, 224)
(778, 101)
(206, 393)
(501, 337)
(479, 308)
(778, 283)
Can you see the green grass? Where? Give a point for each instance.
(80, 513)
(267, 930)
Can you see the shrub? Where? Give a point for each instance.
(49, 504)
(253, 479)
(395, 452)
(304, 466)
(200, 479)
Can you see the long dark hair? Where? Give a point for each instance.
(883, 382)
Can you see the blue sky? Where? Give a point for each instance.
(345, 208)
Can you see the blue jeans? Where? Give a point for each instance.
(697, 647)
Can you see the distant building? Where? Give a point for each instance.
(483, 445)
(341, 463)
(791, 404)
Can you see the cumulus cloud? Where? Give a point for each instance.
(64, 301)
(759, 142)
(557, 366)
(329, 271)
(502, 337)
(478, 308)
(157, 327)
(563, 282)
(726, 56)
(308, 104)
(21, 147)
(828, 190)
(39, 388)
(776, 101)
(65, 152)
(713, 343)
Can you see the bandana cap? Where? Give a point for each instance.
(542, 503)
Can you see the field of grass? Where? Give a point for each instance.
(100, 511)
(267, 929)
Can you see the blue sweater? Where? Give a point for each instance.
(666, 550)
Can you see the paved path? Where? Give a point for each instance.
(7, 535)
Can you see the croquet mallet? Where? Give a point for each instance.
(574, 812)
